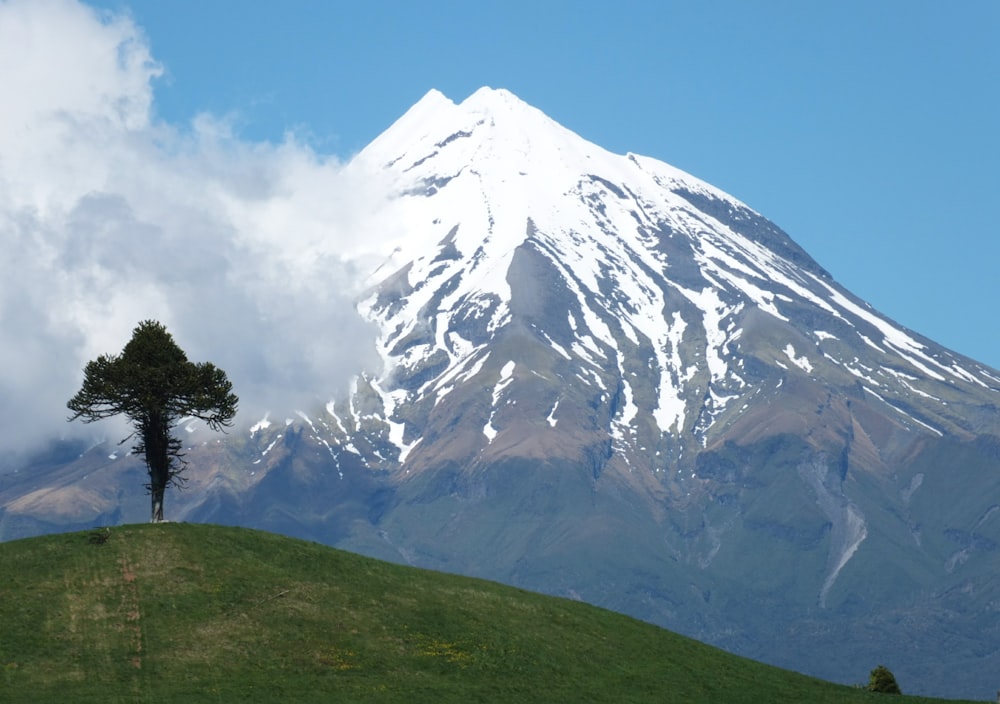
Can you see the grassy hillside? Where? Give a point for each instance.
(183, 613)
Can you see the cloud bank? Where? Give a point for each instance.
(251, 254)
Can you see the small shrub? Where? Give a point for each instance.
(882, 680)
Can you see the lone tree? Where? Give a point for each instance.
(154, 384)
(882, 680)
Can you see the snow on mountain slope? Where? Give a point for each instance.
(667, 280)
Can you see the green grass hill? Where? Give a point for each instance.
(196, 613)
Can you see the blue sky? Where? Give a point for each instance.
(181, 160)
(867, 130)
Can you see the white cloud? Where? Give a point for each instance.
(108, 217)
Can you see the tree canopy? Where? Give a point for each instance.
(153, 383)
(882, 680)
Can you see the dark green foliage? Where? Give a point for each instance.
(153, 383)
(882, 680)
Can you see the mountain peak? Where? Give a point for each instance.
(661, 278)
(488, 116)
(484, 99)
(500, 105)
(494, 99)
(432, 100)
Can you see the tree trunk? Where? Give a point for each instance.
(157, 516)
(156, 438)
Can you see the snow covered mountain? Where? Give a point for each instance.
(650, 287)
(604, 378)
